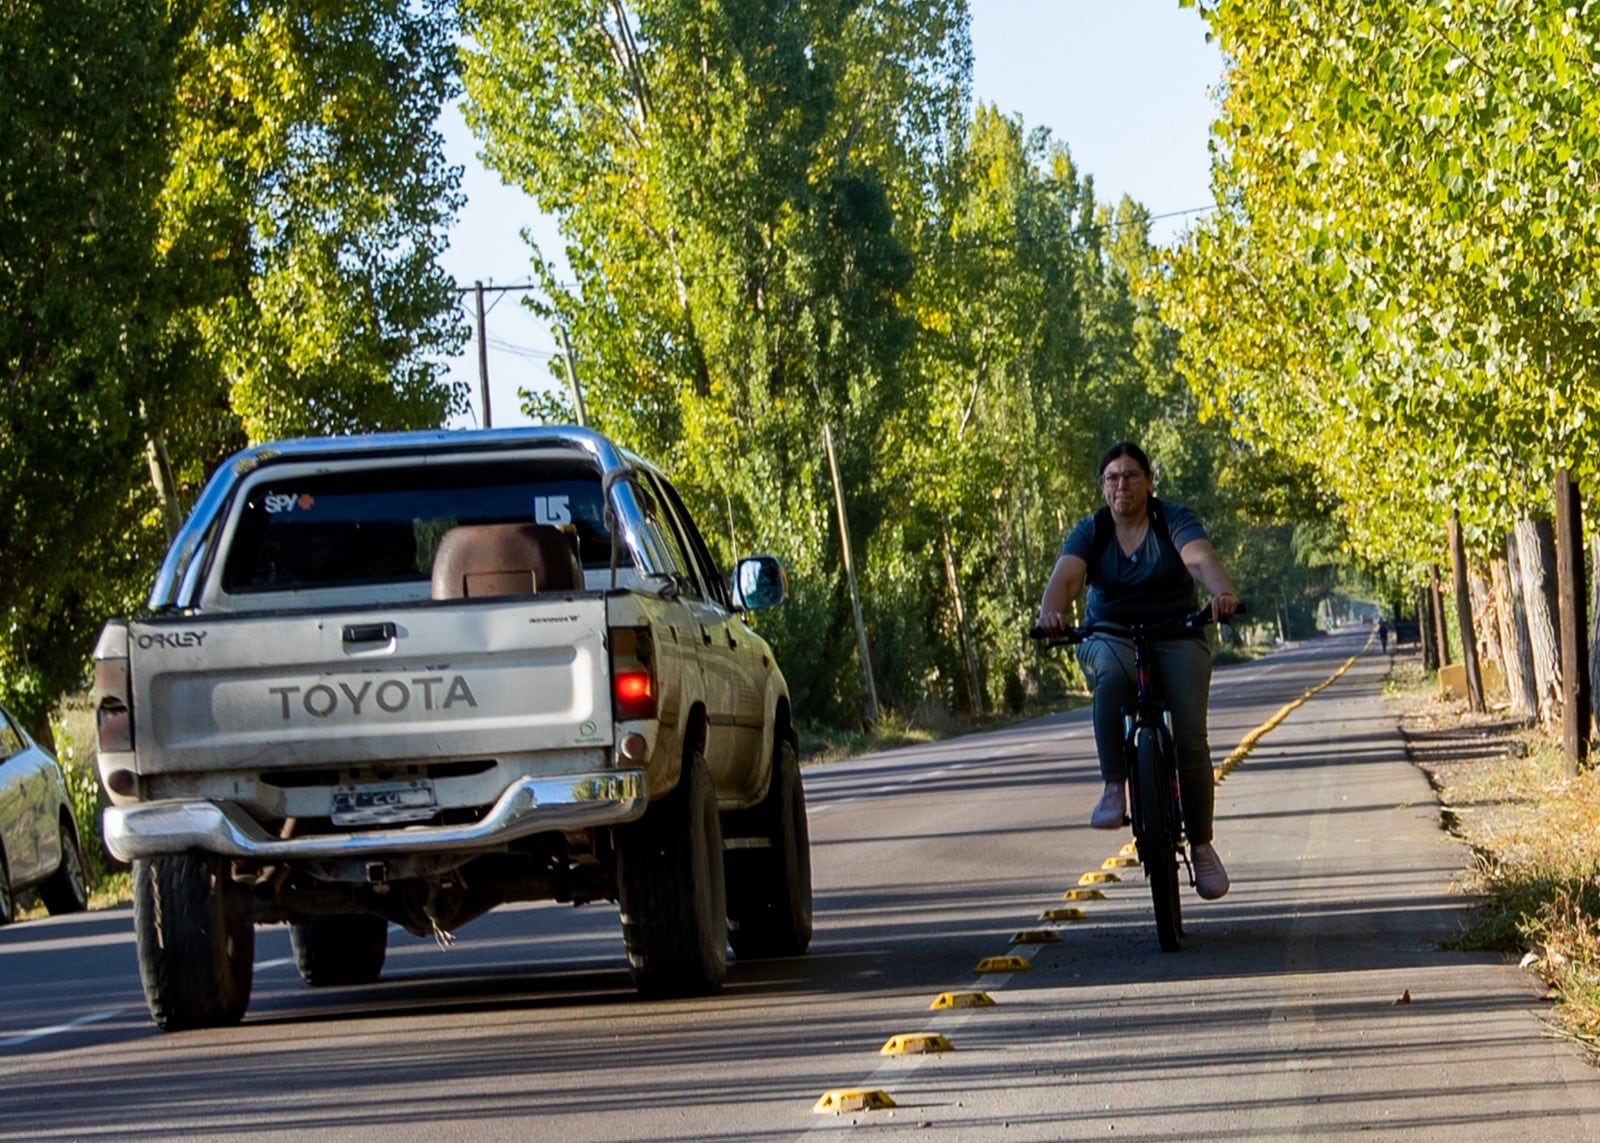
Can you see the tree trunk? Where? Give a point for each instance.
(974, 690)
(1441, 634)
(869, 684)
(1469, 641)
(1574, 626)
(1519, 645)
(1516, 653)
(1425, 630)
(1536, 561)
(165, 484)
(1487, 610)
(1594, 625)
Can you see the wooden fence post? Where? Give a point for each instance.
(1574, 634)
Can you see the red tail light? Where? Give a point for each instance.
(633, 677)
(113, 720)
(635, 694)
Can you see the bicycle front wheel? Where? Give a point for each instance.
(1158, 837)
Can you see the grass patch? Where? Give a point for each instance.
(830, 744)
(75, 744)
(1538, 877)
(819, 744)
(1535, 836)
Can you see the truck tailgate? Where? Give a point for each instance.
(470, 680)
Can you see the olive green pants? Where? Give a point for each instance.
(1183, 673)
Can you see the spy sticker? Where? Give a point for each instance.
(277, 502)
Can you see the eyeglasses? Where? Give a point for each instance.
(1125, 477)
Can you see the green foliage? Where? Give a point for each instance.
(1398, 288)
(221, 224)
(81, 162)
(784, 216)
(739, 189)
(308, 200)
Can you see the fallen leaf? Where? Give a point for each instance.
(1405, 997)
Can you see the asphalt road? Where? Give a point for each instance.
(1315, 1000)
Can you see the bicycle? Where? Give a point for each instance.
(1155, 806)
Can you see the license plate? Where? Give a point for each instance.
(383, 803)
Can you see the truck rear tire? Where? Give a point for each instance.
(768, 864)
(196, 942)
(344, 949)
(670, 886)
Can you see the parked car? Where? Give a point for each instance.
(38, 835)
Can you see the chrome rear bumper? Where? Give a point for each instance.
(529, 806)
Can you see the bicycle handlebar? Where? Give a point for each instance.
(1069, 636)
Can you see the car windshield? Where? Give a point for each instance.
(383, 525)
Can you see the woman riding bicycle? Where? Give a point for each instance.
(1141, 558)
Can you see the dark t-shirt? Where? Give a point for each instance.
(1148, 586)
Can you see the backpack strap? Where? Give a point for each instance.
(1105, 529)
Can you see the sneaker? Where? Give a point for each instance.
(1111, 811)
(1210, 878)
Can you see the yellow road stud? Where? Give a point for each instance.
(840, 1101)
(962, 1000)
(916, 1044)
(1062, 915)
(1035, 937)
(1083, 895)
(1129, 849)
(1098, 878)
(1119, 862)
(1003, 964)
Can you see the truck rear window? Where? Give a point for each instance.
(383, 525)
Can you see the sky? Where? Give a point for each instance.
(1127, 85)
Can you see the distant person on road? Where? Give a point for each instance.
(1141, 558)
(1383, 636)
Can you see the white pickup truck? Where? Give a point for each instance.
(409, 677)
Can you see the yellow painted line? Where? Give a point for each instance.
(835, 1102)
(962, 1000)
(916, 1044)
(1248, 742)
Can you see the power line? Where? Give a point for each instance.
(1181, 213)
(525, 352)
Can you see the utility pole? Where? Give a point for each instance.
(572, 374)
(483, 358)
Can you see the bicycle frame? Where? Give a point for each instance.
(1149, 749)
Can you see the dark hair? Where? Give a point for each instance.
(1121, 449)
